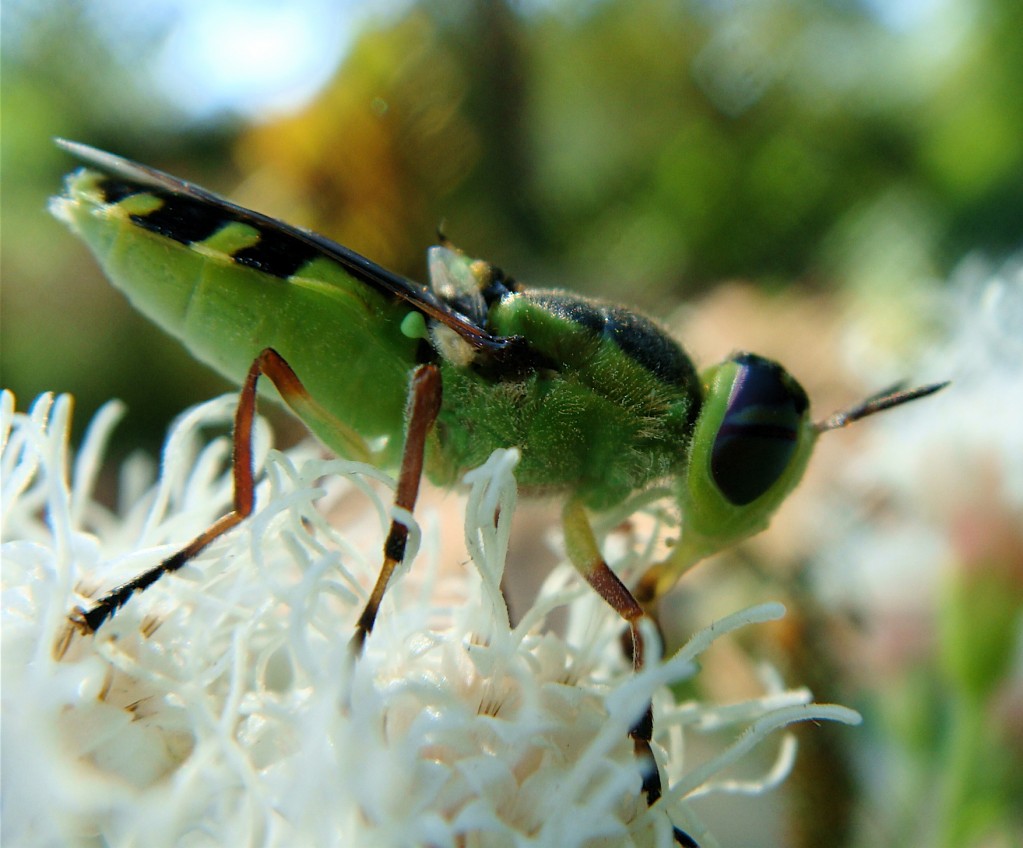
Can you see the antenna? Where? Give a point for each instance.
(892, 396)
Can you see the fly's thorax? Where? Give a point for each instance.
(583, 332)
(601, 404)
(750, 448)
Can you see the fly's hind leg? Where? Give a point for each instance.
(272, 365)
(584, 553)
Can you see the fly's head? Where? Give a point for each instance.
(751, 445)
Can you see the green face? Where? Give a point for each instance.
(749, 450)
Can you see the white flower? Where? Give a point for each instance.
(223, 706)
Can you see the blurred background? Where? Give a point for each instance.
(838, 185)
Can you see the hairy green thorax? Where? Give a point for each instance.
(596, 423)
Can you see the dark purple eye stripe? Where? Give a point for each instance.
(782, 432)
(759, 430)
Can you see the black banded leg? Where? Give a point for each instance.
(584, 553)
(424, 404)
(270, 364)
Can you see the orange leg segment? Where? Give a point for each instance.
(585, 555)
(424, 405)
(271, 364)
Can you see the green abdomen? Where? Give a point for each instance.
(340, 336)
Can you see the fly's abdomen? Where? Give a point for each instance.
(228, 289)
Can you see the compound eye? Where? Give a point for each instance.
(759, 431)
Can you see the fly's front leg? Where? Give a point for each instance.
(423, 407)
(584, 553)
(272, 365)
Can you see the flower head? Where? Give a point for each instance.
(224, 706)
